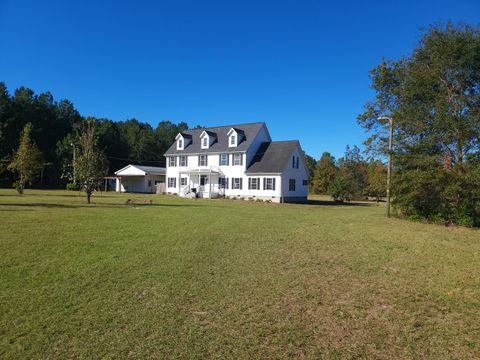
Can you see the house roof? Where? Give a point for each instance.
(148, 170)
(272, 157)
(249, 131)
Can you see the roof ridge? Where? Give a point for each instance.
(226, 126)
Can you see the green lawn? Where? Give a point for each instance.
(231, 279)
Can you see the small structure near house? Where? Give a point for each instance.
(140, 179)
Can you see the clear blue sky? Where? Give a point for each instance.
(300, 66)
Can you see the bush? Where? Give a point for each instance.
(72, 186)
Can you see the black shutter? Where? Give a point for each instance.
(228, 160)
(264, 183)
(249, 183)
(273, 183)
(293, 161)
(233, 187)
(219, 159)
(233, 162)
(226, 183)
(258, 183)
(174, 182)
(241, 159)
(206, 160)
(198, 160)
(186, 160)
(241, 183)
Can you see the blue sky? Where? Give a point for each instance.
(300, 66)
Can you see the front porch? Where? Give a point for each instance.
(202, 183)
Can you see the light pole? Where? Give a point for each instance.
(389, 166)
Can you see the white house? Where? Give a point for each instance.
(139, 178)
(236, 161)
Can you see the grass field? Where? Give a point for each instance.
(231, 279)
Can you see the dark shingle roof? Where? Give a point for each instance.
(249, 132)
(154, 170)
(271, 158)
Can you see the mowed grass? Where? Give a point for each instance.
(198, 279)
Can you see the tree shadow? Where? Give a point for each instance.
(93, 205)
(337, 203)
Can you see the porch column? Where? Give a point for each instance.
(210, 185)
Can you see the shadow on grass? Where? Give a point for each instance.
(93, 205)
(337, 203)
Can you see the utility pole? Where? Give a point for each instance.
(389, 166)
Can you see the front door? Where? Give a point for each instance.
(203, 180)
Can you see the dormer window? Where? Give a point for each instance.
(183, 140)
(235, 137)
(207, 138)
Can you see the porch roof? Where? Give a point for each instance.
(199, 171)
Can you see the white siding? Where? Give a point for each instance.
(299, 175)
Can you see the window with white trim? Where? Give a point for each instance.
(172, 161)
(223, 183)
(202, 160)
(172, 182)
(183, 181)
(205, 142)
(237, 159)
(254, 183)
(237, 183)
(268, 183)
(233, 140)
(223, 159)
(149, 183)
(180, 144)
(183, 160)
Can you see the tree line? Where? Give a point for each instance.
(53, 128)
(351, 177)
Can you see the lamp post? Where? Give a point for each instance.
(389, 166)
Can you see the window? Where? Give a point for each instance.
(183, 181)
(203, 180)
(305, 182)
(172, 182)
(237, 159)
(149, 183)
(205, 142)
(291, 185)
(237, 183)
(202, 160)
(268, 183)
(223, 183)
(180, 144)
(295, 161)
(183, 160)
(172, 161)
(253, 183)
(232, 140)
(223, 160)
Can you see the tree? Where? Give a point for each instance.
(27, 161)
(90, 162)
(434, 99)
(324, 174)
(376, 180)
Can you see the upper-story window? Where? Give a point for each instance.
(291, 185)
(237, 159)
(183, 160)
(172, 161)
(223, 159)
(180, 143)
(295, 162)
(205, 142)
(202, 160)
(233, 140)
